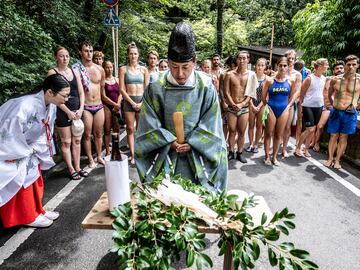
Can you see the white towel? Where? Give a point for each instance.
(252, 84)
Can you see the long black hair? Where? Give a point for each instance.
(55, 82)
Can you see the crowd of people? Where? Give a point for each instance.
(219, 104)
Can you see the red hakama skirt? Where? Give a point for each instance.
(25, 206)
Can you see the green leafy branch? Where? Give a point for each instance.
(154, 235)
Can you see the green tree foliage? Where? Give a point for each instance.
(261, 14)
(328, 29)
(31, 30)
(29, 33)
(25, 51)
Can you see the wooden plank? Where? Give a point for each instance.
(99, 216)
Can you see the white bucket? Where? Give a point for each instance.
(117, 181)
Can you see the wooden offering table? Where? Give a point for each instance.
(99, 217)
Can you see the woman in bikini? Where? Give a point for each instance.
(278, 94)
(133, 80)
(71, 110)
(312, 102)
(256, 108)
(111, 100)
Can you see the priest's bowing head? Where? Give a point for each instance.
(181, 52)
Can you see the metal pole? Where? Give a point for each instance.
(114, 46)
(116, 62)
(272, 43)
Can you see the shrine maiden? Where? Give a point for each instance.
(26, 148)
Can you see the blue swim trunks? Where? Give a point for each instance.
(342, 121)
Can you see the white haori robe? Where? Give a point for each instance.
(26, 128)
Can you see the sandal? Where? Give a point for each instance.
(75, 176)
(83, 173)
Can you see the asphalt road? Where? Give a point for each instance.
(326, 206)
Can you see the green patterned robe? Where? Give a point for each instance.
(206, 163)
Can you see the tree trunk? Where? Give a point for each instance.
(88, 9)
(219, 26)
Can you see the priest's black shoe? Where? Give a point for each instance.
(231, 155)
(240, 157)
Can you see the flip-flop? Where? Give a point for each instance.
(75, 176)
(298, 155)
(83, 173)
(307, 155)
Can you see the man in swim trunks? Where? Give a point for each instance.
(343, 115)
(93, 115)
(231, 65)
(239, 85)
(295, 76)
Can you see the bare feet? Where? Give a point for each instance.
(267, 161)
(337, 165)
(316, 148)
(306, 153)
(298, 153)
(285, 154)
(329, 163)
(100, 160)
(276, 162)
(132, 161)
(92, 164)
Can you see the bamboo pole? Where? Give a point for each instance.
(271, 44)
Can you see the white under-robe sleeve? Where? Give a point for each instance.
(13, 144)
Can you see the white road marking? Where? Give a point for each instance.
(14, 242)
(17, 239)
(22, 234)
(333, 175)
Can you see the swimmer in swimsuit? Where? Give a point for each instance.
(133, 80)
(93, 115)
(235, 84)
(278, 94)
(343, 116)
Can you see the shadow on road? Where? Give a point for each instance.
(108, 262)
(319, 175)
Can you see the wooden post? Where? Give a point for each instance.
(228, 259)
(271, 44)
